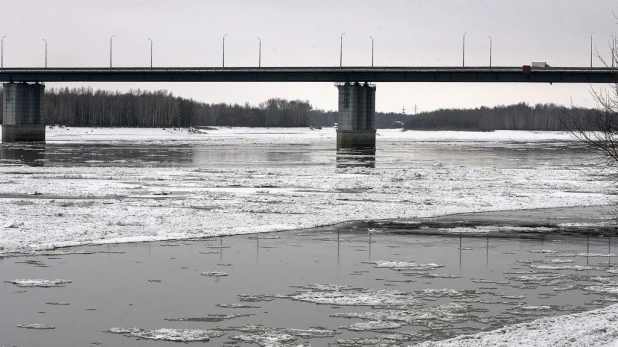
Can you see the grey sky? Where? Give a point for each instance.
(306, 33)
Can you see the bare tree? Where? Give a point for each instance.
(600, 130)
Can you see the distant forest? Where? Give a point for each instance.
(138, 108)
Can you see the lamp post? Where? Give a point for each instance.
(341, 51)
(45, 52)
(224, 50)
(463, 57)
(490, 44)
(260, 53)
(150, 52)
(2, 52)
(110, 50)
(591, 48)
(371, 50)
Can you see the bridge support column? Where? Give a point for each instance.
(22, 112)
(356, 125)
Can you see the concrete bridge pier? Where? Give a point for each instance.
(356, 126)
(23, 112)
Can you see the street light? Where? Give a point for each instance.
(150, 52)
(341, 51)
(110, 51)
(591, 48)
(45, 52)
(224, 49)
(490, 43)
(371, 50)
(260, 53)
(463, 59)
(2, 52)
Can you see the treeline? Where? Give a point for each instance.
(138, 108)
(521, 116)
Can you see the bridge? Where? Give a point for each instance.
(313, 74)
(23, 96)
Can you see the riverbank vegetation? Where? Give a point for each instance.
(140, 108)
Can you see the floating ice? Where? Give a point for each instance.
(405, 265)
(349, 296)
(36, 326)
(427, 316)
(612, 290)
(176, 335)
(209, 318)
(39, 283)
(266, 339)
(544, 251)
(374, 325)
(214, 274)
(236, 306)
(265, 336)
(564, 267)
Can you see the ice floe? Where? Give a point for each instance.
(214, 274)
(36, 326)
(326, 294)
(164, 334)
(374, 326)
(405, 265)
(39, 283)
(275, 337)
(215, 317)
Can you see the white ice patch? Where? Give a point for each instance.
(612, 290)
(350, 296)
(36, 326)
(214, 274)
(426, 316)
(275, 337)
(176, 335)
(564, 267)
(374, 325)
(39, 283)
(405, 265)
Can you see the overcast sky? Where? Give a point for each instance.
(307, 33)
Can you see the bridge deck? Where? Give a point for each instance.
(312, 74)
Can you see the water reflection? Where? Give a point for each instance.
(30, 154)
(356, 158)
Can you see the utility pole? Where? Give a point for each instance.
(224, 49)
(2, 52)
(371, 50)
(490, 44)
(150, 52)
(260, 53)
(45, 52)
(403, 110)
(591, 48)
(463, 57)
(415, 109)
(110, 50)
(341, 51)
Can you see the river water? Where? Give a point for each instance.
(349, 284)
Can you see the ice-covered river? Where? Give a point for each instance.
(341, 284)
